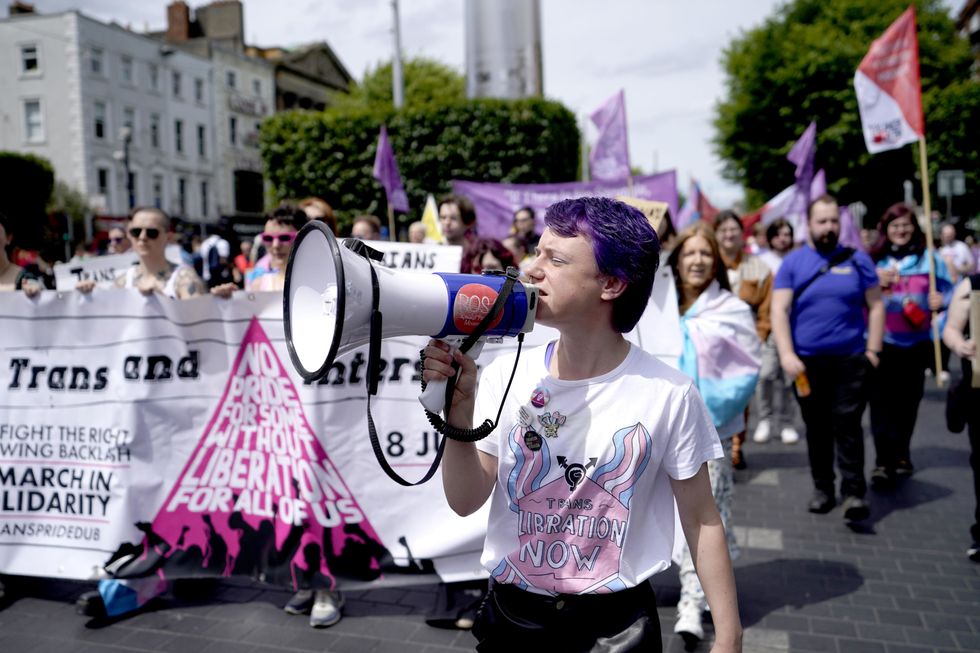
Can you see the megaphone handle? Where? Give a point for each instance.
(433, 398)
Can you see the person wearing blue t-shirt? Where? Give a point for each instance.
(824, 341)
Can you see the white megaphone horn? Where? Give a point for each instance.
(329, 300)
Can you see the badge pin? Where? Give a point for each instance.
(551, 422)
(532, 439)
(540, 397)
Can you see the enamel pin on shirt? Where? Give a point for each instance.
(540, 397)
(551, 422)
(532, 439)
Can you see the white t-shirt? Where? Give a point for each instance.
(772, 259)
(960, 254)
(583, 503)
(224, 251)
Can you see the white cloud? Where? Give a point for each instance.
(664, 54)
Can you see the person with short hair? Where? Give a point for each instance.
(595, 434)
(416, 232)
(457, 219)
(955, 252)
(818, 316)
(773, 382)
(366, 227)
(523, 225)
(118, 242)
(899, 382)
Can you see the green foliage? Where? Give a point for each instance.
(70, 203)
(799, 66)
(28, 180)
(331, 154)
(426, 82)
(957, 147)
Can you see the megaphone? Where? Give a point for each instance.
(333, 291)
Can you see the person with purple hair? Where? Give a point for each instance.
(597, 440)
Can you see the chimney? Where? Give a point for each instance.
(17, 8)
(178, 22)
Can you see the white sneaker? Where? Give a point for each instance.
(326, 609)
(689, 627)
(761, 432)
(789, 435)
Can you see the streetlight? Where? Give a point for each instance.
(126, 136)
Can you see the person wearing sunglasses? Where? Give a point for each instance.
(118, 241)
(148, 232)
(281, 227)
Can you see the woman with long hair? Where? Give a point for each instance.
(721, 353)
(902, 263)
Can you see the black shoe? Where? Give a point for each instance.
(821, 503)
(973, 553)
(856, 509)
(90, 604)
(881, 478)
(904, 469)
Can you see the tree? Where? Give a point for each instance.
(426, 82)
(799, 66)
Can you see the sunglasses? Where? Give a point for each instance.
(151, 233)
(116, 240)
(285, 238)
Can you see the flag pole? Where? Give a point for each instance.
(391, 223)
(927, 207)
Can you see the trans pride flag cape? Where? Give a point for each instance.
(721, 352)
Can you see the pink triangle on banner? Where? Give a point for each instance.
(259, 495)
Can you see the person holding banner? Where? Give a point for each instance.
(148, 229)
(12, 276)
(959, 317)
(818, 317)
(897, 385)
(596, 441)
(721, 353)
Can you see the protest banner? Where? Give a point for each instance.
(104, 270)
(496, 203)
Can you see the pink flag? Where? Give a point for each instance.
(610, 158)
(888, 89)
(386, 172)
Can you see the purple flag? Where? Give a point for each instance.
(802, 154)
(386, 172)
(610, 158)
(495, 203)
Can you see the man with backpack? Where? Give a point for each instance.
(216, 255)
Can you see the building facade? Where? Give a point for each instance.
(121, 118)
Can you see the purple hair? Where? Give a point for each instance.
(624, 244)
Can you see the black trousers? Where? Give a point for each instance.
(895, 391)
(973, 426)
(512, 619)
(832, 414)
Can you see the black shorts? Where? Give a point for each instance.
(512, 619)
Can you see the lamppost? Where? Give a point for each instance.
(126, 136)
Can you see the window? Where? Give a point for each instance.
(233, 130)
(202, 150)
(33, 121)
(129, 120)
(176, 83)
(257, 86)
(158, 191)
(204, 199)
(100, 122)
(199, 90)
(29, 61)
(230, 78)
(181, 195)
(127, 69)
(155, 131)
(179, 136)
(154, 71)
(103, 183)
(97, 61)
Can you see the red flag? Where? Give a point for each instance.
(888, 88)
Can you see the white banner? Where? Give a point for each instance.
(104, 270)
